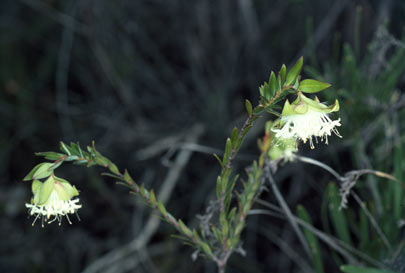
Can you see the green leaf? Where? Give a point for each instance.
(228, 150)
(64, 148)
(206, 248)
(364, 231)
(55, 165)
(75, 148)
(269, 109)
(234, 137)
(228, 192)
(196, 236)
(258, 110)
(337, 216)
(50, 155)
(265, 91)
(127, 177)
(239, 228)
(152, 198)
(42, 170)
(217, 234)
(219, 187)
(312, 86)
(231, 214)
(248, 106)
(72, 158)
(273, 84)
(31, 173)
(312, 240)
(113, 168)
(294, 71)
(219, 160)
(360, 269)
(142, 190)
(162, 208)
(282, 74)
(184, 228)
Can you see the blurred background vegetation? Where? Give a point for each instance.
(138, 76)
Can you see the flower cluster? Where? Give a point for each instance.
(53, 198)
(306, 119)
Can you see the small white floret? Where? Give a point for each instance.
(54, 207)
(308, 125)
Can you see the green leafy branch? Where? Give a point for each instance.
(232, 220)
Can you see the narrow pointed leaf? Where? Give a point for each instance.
(184, 228)
(360, 269)
(152, 198)
(219, 187)
(282, 74)
(337, 216)
(248, 106)
(228, 150)
(234, 137)
(162, 208)
(312, 86)
(50, 155)
(219, 160)
(30, 175)
(294, 72)
(40, 171)
(64, 148)
(312, 240)
(273, 84)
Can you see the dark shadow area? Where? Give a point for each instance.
(138, 77)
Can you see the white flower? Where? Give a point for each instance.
(53, 198)
(306, 118)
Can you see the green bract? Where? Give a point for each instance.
(40, 171)
(42, 191)
(303, 104)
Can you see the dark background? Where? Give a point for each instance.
(137, 77)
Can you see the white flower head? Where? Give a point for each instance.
(306, 118)
(53, 199)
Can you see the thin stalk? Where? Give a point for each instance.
(339, 246)
(373, 221)
(286, 209)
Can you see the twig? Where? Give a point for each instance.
(267, 174)
(353, 176)
(319, 164)
(373, 221)
(152, 224)
(334, 243)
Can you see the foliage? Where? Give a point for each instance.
(232, 220)
(372, 108)
(136, 76)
